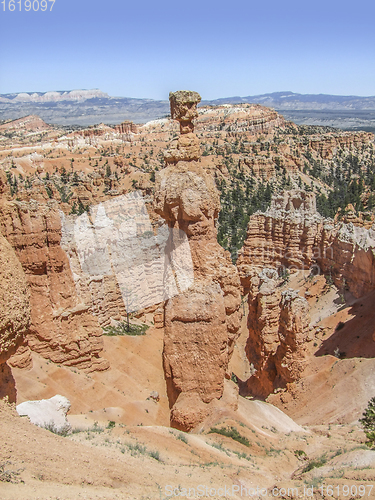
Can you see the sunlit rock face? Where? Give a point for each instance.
(278, 324)
(62, 328)
(202, 323)
(291, 236)
(14, 314)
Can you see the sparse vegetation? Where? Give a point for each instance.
(231, 433)
(313, 464)
(8, 475)
(125, 329)
(155, 455)
(50, 426)
(182, 438)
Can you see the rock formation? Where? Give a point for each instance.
(283, 237)
(14, 313)
(253, 119)
(291, 235)
(126, 127)
(326, 145)
(49, 413)
(278, 325)
(202, 323)
(259, 166)
(62, 329)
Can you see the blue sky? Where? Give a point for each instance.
(147, 48)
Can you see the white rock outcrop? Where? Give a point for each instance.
(48, 413)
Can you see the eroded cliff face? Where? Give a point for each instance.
(14, 314)
(62, 329)
(253, 119)
(326, 145)
(278, 323)
(202, 323)
(292, 236)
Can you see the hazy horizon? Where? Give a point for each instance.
(166, 97)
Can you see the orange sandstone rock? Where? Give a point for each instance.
(202, 323)
(14, 313)
(62, 329)
(290, 236)
(278, 325)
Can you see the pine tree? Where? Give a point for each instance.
(368, 422)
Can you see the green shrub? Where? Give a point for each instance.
(122, 329)
(96, 428)
(231, 433)
(155, 455)
(64, 431)
(182, 438)
(313, 464)
(368, 422)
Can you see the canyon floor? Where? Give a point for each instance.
(122, 448)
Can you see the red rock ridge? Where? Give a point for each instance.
(278, 323)
(291, 236)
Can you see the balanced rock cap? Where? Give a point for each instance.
(183, 104)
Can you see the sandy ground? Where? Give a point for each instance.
(144, 462)
(140, 457)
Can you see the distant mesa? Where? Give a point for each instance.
(89, 107)
(72, 95)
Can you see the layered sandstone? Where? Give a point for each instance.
(126, 127)
(291, 235)
(283, 237)
(62, 329)
(327, 145)
(259, 166)
(252, 119)
(202, 323)
(14, 314)
(278, 324)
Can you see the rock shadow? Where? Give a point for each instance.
(354, 338)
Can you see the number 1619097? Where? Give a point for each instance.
(28, 5)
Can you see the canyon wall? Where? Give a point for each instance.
(14, 314)
(327, 145)
(62, 329)
(202, 323)
(292, 236)
(237, 119)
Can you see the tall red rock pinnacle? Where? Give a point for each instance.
(202, 323)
